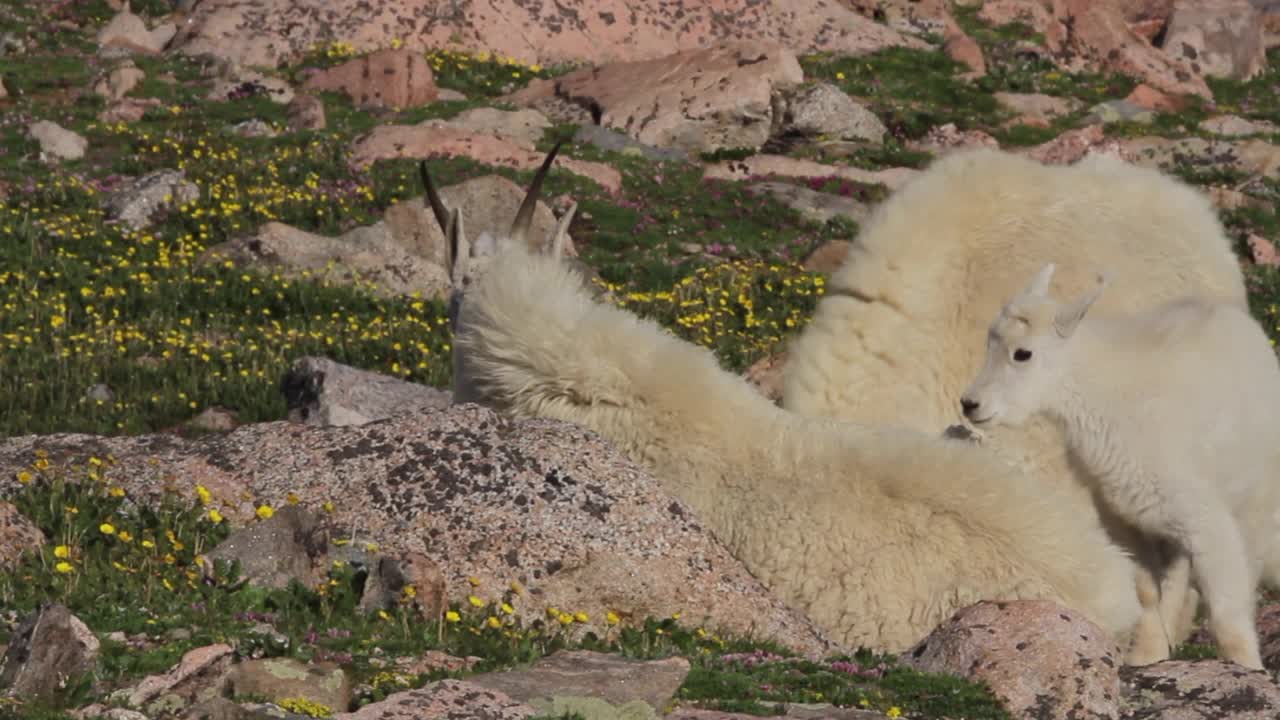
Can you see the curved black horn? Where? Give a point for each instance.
(433, 198)
(524, 216)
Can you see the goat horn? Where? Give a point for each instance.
(524, 216)
(433, 198)
(562, 232)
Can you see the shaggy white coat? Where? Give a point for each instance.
(1172, 411)
(900, 330)
(878, 534)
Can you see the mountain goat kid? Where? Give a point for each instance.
(1172, 413)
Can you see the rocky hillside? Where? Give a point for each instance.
(216, 268)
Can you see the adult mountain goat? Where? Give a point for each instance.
(899, 332)
(878, 534)
(1172, 412)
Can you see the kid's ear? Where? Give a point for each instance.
(1068, 317)
(1039, 285)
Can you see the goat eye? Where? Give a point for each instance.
(1021, 355)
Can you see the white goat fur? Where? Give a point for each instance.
(878, 534)
(899, 332)
(1172, 411)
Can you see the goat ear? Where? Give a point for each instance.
(459, 250)
(1039, 285)
(562, 232)
(1068, 317)
(485, 245)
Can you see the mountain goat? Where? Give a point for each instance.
(897, 335)
(878, 534)
(1172, 412)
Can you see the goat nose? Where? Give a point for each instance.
(968, 406)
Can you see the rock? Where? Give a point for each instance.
(450, 95)
(290, 545)
(136, 203)
(965, 50)
(1147, 97)
(275, 679)
(824, 109)
(522, 127)
(129, 30)
(548, 504)
(1262, 250)
(17, 535)
(583, 673)
(913, 17)
(128, 110)
(217, 708)
(828, 257)
(388, 78)
(47, 650)
(799, 711)
(418, 141)
(947, 137)
(1112, 111)
(762, 165)
(695, 100)
(814, 206)
(1041, 107)
(1039, 658)
(118, 82)
(100, 393)
(198, 676)
(367, 256)
(306, 112)
(320, 391)
(57, 141)
(1229, 199)
(388, 577)
(765, 374)
(272, 32)
(250, 83)
(1236, 126)
(253, 128)
(1073, 145)
(1093, 35)
(1250, 157)
(215, 419)
(612, 140)
(444, 699)
(432, 660)
(1221, 38)
(1032, 13)
(1198, 690)
(12, 44)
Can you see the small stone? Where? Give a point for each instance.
(57, 141)
(306, 112)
